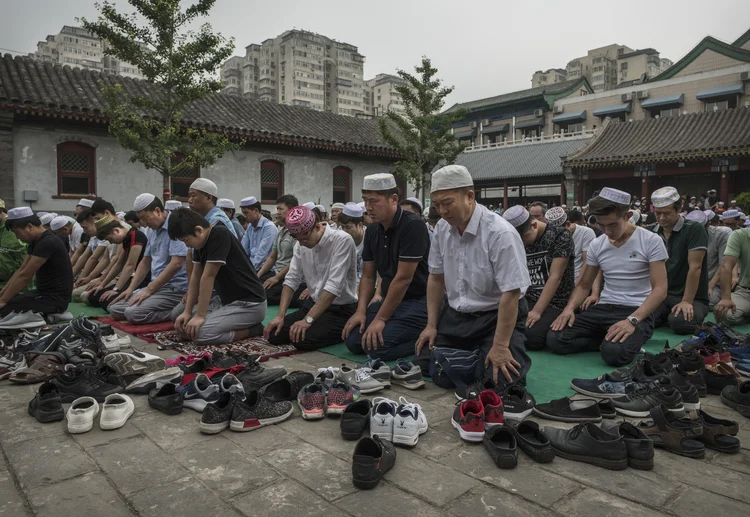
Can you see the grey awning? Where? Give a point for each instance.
(612, 110)
(670, 101)
(465, 133)
(576, 116)
(501, 128)
(535, 122)
(721, 91)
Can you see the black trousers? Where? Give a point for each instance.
(34, 301)
(273, 294)
(325, 331)
(678, 324)
(536, 336)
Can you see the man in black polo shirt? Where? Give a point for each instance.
(218, 262)
(396, 247)
(686, 305)
(47, 259)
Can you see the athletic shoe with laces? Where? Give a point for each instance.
(473, 391)
(340, 396)
(648, 396)
(359, 377)
(517, 403)
(409, 423)
(217, 415)
(46, 406)
(134, 362)
(257, 411)
(186, 361)
(28, 340)
(11, 362)
(407, 374)
(199, 393)
(24, 320)
(689, 391)
(493, 408)
(89, 330)
(326, 376)
(154, 380)
(379, 370)
(687, 360)
(468, 419)
(86, 381)
(167, 399)
(604, 386)
(222, 360)
(644, 369)
(312, 400)
(381, 418)
(255, 376)
(231, 384)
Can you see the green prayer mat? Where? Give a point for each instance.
(81, 309)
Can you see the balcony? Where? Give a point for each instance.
(585, 133)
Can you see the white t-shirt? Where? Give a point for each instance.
(627, 278)
(360, 247)
(582, 238)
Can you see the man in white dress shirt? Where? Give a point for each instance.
(326, 260)
(478, 260)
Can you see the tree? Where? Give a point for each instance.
(422, 135)
(182, 63)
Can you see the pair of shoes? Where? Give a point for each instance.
(116, 410)
(360, 377)
(517, 402)
(23, 320)
(200, 392)
(243, 413)
(737, 398)
(373, 457)
(473, 416)
(640, 449)
(46, 406)
(589, 444)
(154, 380)
(502, 443)
(575, 410)
(318, 400)
(719, 376)
(401, 422)
(95, 381)
(134, 363)
(113, 342)
(404, 373)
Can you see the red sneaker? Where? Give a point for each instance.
(708, 355)
(468, 419)
(493, 408)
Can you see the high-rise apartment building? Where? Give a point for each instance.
(551, 76)
(300, 68)
(78, 48)
(383, 93)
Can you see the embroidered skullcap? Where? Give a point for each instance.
(104, 221)
(248, 201)
(299, 220)
(516, 215)
(730, 214)
(46, 219)
(310, 205)
(556, 216)
(378, 182)
(205, 185)
(636, 217)
(58, 222)
(172, 205)
(698, 216)
(339, 206)
(321, 208)
(710, 214)
(665, 196)
(20, 212)
(353, 210)
(225, 203)
(88, 203)
(451, 177)
(142, 201)
(417, 201)
(614, 195)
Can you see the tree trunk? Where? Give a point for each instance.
(166, 193)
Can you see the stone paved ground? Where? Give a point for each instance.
(163, 466)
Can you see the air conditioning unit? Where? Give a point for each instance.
(642, 95)
(473, 125)
(558, 109)
(625, 97)
(538, 113)
(486, 122)
(744, 76)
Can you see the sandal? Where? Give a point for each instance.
(42, 366)
(678, 435)
(718, 434)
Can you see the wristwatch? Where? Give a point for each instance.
(115, 289)
(635, 321)
(309, 320)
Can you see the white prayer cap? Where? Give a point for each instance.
(377, 182)
(730, 214)
(415, 200)
(721, 203)
(58, 222)
(88, 203)
(321, 208)
(353, 210)
(516, 215)
(698, 216)
(142, 201)
(556, 216)
(710, 214)
(637, 203)
(665, 196)
(743, 216)
(450, 177)
(121, 216)
(248, 201)
(362, 204)
(40, 214)
(20, 212)
(614, 195)
(733, 201)
(310, 205)
(339, 206)
(205, 185)
(225, 203)
(46, 219)
(747, 223)
(172, 204)
(636, 217)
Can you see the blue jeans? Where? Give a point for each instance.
(401, 331)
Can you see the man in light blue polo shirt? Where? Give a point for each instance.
(164, 258)
(260, 235)
(203, 196)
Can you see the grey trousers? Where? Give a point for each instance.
(155, 309)
(714, 297)
(223, 320)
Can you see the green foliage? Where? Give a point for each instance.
(182, 63)
(743, 201)
(422, 135)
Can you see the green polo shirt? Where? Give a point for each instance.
(738, 246)
(686, 236)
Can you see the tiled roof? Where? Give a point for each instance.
(60, 91)
(742, 39)
(531, 160)
(693, 136)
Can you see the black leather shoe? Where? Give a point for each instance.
(372, 458)
(640, 448)
(567, 410)
(355, 419)
(500, 441)
(287, 387)
(589, 444)
(534, 442)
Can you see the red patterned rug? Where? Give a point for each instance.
(259, 346)
(145, 332)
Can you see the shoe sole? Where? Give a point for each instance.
(409, 385)
(81, 428)
(369, 390)
(213, 428)
(568, 419)
(110, 425)
(468, 436)
(44, 417)
(518, 416)
(637, 464)
(644, 414)
(408, 440)
(691, 406)
(599, 462)
(742, 410)
(311, 415)
(382, 436)
(366, 485)
(596, 394)
(126, 364)
(335, 410)
(257, 423)
(696, 454)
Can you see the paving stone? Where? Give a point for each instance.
(369, 503)
(429, 480)
(699, 503)
(183, 497)
(171, 432)
(11, 501)
(324, 434)
(47, 460)
(739, 462)
(225, 468)
(629, 483)
(97, 437)
(320, 471)
(492, 502)
(284, 499)
(136, 463)
(17, 425)
(527, 480)
(87, 495)
(437, 443)
(263, 440)
(14, 395)
(600, 504)
(321, 359)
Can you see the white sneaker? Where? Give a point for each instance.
(361, 378)
(381, 418)
(154, 380)
(116, 410)
(409, 422)
(24, 320)
(112, 343)
(134, 363)
(60, 317)
(81, 415)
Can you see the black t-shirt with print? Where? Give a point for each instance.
(236, 279)
(136, 237)
(55, 277)
(554, 243)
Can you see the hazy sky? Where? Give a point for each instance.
(482, 47)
